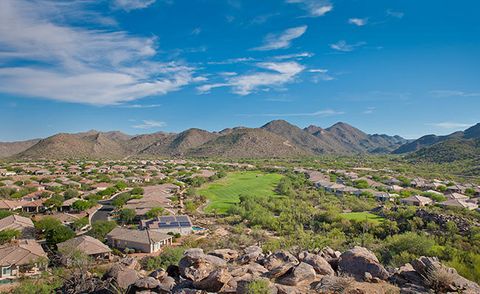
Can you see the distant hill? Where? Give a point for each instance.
(8, 149)
(449, 151)
(429, 140)
(456, 146)
(277, 138)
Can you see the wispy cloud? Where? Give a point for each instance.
(396, 14)
(453, 93)
(281, 40)
(369, 110)
(450, 125)
(150, 124)
(358, 21)
(196, 31)
(56, 60)
(320, 113)
(274, 74)
(320, 74)
(294, 56)
(232, 61)
(315, 8)
(343, 46)
(140, 106)
(129, 5)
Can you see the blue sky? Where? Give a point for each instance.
(397, 67)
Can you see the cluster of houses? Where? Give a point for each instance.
(28, 188)
(344, 183)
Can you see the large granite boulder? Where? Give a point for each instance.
(122, 275)
(301, 274)
(440, 278)
(360, 260)
(278, 258)
(215, 280)
(196, 266)
(251, 254)
(225, 254)
(320, 264)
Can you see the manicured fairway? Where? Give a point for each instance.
(225, 192)
(360, 216)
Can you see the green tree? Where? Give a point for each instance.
(8, 234)
(154, 212)
(81, 205)
(55, 201)
(100, 229)
(121, 185)
(127, 215)
(59, 234)
(71, 193)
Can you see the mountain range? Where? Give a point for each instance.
(277, 138)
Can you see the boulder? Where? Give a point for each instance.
(284, 289)
(158, 274)
(122, 275)
(335, 284)
(301, 274)
(146, 283)
(214, 282)
(441, 278)
(359, 260)
(225, 254)
(278, 258)
(167, 283)
(320, 265)
(280, 270)
(251, 254)
(196, 266)
(130, 262)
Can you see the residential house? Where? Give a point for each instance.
(10, 205)
(142, 241)
(87, 245)
(21, 258)
(458, 196)
(459, 203)
(180, 224)
(19, 223)
(417, 200)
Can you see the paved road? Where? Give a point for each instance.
(104, 211)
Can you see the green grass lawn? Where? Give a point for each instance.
(360, 216)
(226, 192)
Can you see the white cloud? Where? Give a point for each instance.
(321, 113)
(282, 40)
(140, 106)
(232, 61)
(450, 125)
(369, 110)
(343, 46)
(150, 124)
(453, 93)
(196, 31)
(294, 56)
(315, 8)
(47, 58)
(129, 5)
(396, 14)
(275, 74)
(320, 74)
(358, 21)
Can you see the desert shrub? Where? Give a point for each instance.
(258, 287)
(170, 256)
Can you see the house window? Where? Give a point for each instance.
(6, 271)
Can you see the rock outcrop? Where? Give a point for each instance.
(355, 271)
